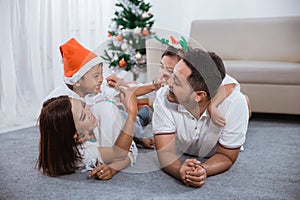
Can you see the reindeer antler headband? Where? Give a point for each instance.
(182, 42)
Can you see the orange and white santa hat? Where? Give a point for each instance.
(77, 60)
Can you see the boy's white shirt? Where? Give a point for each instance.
(106, 93)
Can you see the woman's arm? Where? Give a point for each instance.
(106, 172)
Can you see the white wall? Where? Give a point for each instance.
(178, 14)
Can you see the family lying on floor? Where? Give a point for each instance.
(198, 110)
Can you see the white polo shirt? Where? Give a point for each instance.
(200, 137)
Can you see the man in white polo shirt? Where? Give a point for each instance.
(181, 122)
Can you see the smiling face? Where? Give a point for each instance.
(91, 82)
(180, 89)
(84, 119)
(167, 64)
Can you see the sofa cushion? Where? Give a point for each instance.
(264, 72)
(263, 39)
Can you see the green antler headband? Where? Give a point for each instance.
(182, 42)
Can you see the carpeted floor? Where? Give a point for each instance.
(269, 168)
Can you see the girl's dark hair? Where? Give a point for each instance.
(173, 52)
(58, 150)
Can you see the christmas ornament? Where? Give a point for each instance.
(127, 34)
(145, 32)
(122, 63)
(124, 46)
(115, 58)
(119, 38)
(144, 15)
(138, 56)
(137, 30)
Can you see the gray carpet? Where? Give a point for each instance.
(269, 168)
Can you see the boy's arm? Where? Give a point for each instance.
(145, 89)
(114, 81)
(223, 92)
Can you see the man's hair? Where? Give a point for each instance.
(205, 75)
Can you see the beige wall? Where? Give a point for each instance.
(178, 14)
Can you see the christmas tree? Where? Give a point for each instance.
(130, 28)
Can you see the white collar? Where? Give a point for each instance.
(182, 109)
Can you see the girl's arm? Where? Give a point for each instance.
(223, 92)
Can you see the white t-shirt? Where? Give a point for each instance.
(229, 80)
(106, 133)
(105, 94)
(200, 137)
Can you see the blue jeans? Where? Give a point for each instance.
(143, 118)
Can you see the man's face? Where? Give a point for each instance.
(180, 89)
(91, 82)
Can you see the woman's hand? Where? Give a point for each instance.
(129, 100)
(102, 172)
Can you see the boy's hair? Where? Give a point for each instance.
(218, 61)
(205, 75)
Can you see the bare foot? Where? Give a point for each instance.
(249, 105)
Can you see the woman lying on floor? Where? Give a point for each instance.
(97, 139)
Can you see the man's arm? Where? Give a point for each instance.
(221, 161)
(170, 163)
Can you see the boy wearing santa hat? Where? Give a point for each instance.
(83, 80)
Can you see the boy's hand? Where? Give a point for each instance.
(114, 81)
(216, 116)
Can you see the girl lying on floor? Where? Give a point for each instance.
(96, 139)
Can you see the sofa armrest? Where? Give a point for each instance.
(154, 51)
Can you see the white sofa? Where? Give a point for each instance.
(263, 54)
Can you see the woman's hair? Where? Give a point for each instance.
(59, 153)
(173, 52)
